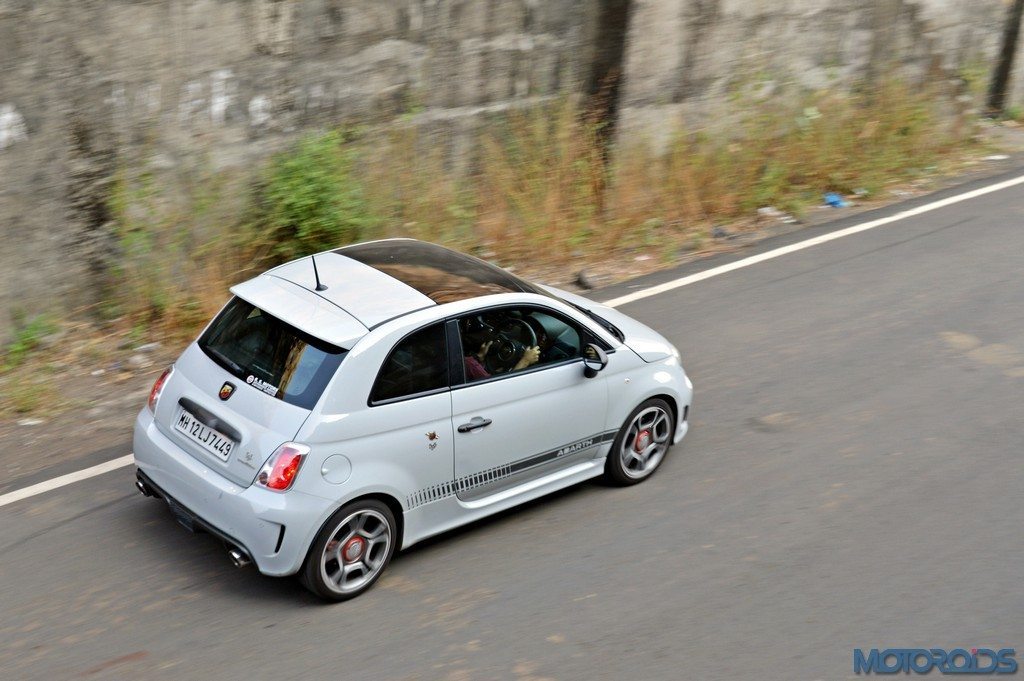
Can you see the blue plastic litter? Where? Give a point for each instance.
(835, 200)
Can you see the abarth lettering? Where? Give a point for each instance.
(575, 447)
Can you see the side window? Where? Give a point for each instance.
(508, 339)
(418, 364)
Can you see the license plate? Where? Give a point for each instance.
(210, 440)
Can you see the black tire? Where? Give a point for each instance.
(663, 424)
(341, 528)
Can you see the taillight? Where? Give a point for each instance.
(158, 388)
(278, 473)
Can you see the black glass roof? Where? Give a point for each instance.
(441, 274)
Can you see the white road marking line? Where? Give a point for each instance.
(128, 460)
(801, 245)
(68, 479)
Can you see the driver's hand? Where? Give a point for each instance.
(482, 352)
(530, 357)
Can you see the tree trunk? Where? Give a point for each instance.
(1001, 76)
(605, 76)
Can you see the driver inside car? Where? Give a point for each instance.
(478, 335)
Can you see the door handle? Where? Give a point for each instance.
(474, 423)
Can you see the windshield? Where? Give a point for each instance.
(270, 355)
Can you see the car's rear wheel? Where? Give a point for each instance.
(641, 444)
(351, 551)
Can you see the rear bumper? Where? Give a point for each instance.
(273, 529)
(187, 518)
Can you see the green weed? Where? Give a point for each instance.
(28, 337)
(311, 200)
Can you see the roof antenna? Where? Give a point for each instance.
(316, 275)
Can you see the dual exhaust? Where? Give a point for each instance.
(240, 558)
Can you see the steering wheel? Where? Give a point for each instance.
(505, 352)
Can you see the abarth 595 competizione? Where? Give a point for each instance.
(348, 404)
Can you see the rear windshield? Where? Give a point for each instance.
(270, 355)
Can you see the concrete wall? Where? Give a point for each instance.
(88, 86)
(686, 59)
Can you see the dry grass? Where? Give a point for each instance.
(23, 393)
(541, 186)
(543, 190)
(412, 190)
(176, 258)
(782, 156)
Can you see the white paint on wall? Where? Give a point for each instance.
(259, 111)
(222, 91)
(12, 126)
(118, 100)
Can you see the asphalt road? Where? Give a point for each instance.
(852, 479)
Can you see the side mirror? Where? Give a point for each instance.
(594, 360)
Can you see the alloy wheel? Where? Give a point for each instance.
(645, 442)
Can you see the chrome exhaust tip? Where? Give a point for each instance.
(239, 559)
(143, 490)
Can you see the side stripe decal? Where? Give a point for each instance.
(507, 470)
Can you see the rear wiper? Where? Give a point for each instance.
(219, 355)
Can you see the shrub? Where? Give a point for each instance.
(311, 200)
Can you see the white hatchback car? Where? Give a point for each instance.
(348, 404)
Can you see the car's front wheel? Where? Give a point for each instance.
(641, 444)
(351, 551)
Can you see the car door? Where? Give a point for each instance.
(513, 425)
(403, 439)
(411, 408)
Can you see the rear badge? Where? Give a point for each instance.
(226, 390)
